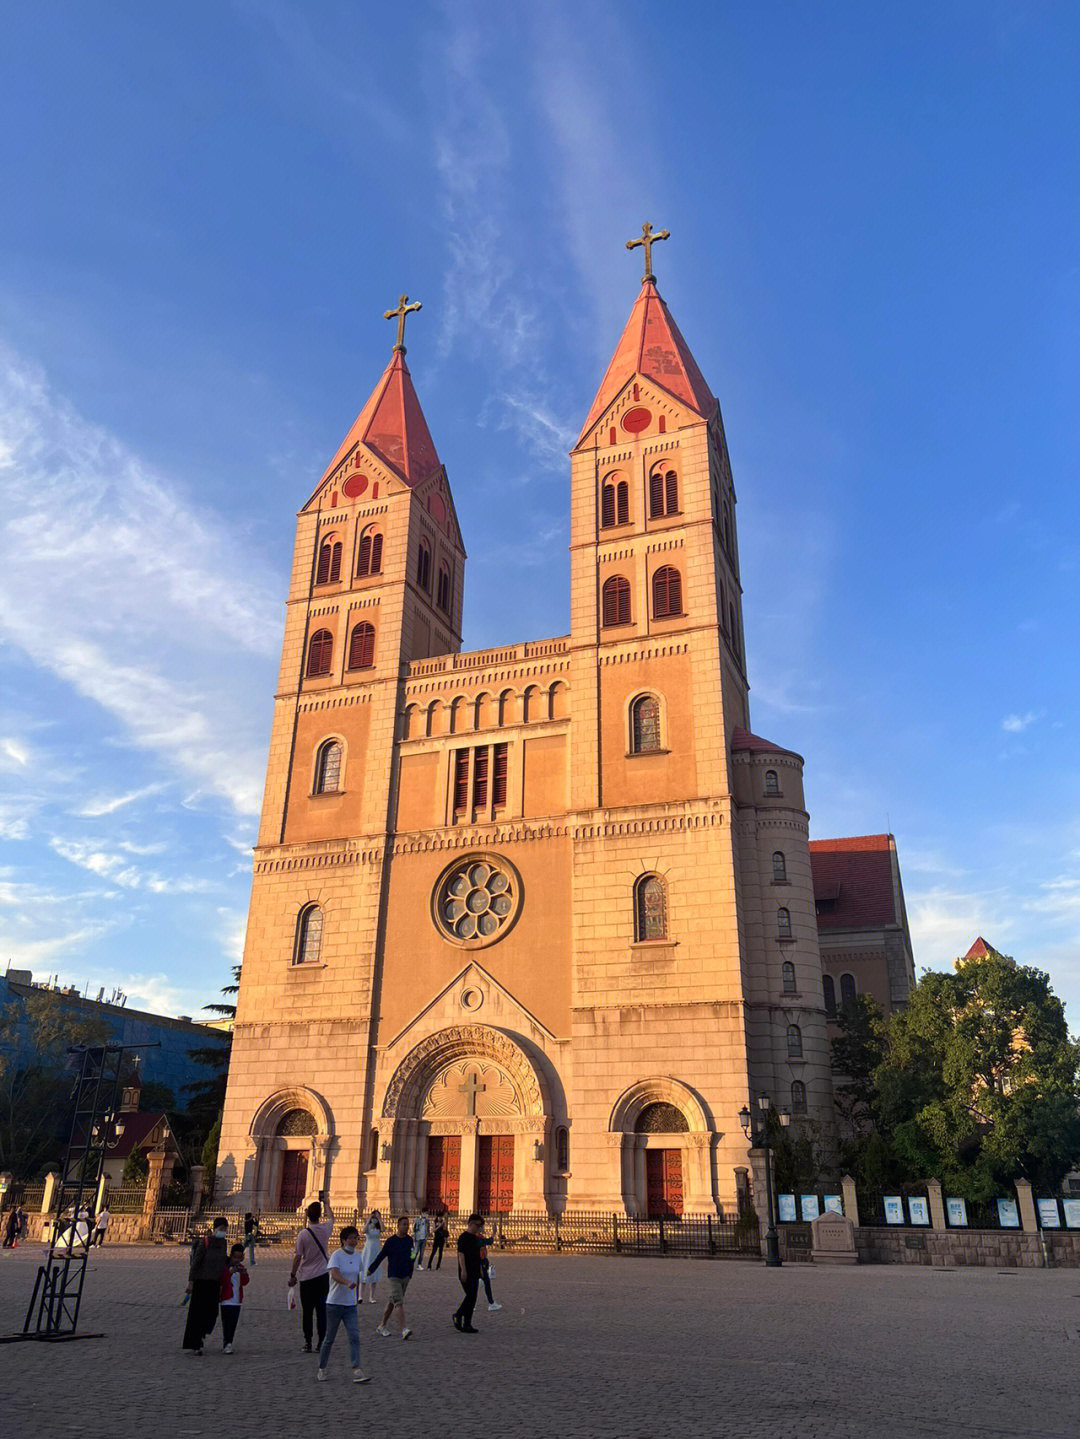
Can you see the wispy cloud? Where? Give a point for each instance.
(90, 856)
(96, 808)
(15, 751)
(1016, 724)
(149, 615)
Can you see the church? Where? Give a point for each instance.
(530, 925)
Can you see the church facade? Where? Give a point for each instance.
(528, 925)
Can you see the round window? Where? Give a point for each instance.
(477, 900)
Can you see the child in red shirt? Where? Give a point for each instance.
(232, 1295)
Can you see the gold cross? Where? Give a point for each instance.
(403, 309)
(648, 240)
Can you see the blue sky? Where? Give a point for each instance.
(874, 257)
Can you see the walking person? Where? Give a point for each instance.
(439, 1235)
(345, 1274)
(11, 1229)
(232, 1295)
(372, 1245)
(398, 1253)
(209, 1260)
(487, 1270)
(420, 1231)
(470, 1242)
(310, 1265)
(251, 1234)
(101, 1223)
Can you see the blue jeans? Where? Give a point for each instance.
(421, 1245)
(341, 1314)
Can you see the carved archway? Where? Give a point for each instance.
(280, 1148)
(645, 1147)
(272, 1111)
(659, 1090)
(417, 1072)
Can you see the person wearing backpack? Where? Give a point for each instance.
(311, 1266)
(209, 1260)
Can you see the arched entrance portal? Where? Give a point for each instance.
(468, 1112)
(665, 1148)
(290, 1137)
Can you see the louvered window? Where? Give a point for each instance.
(656, 495)
(671, 492)
(616, 601)
(369, 561)
(499, 776)
(622, 503)
(320, 652)
(328, 768)
(461, 781)
(607, 507)
(645, 724)
(667, 592)
(480, 777)
(362, 647)
(329, 563)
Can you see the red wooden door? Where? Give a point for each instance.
(495, 1180)
(663, 1180)
(293, 1179)
(443, 1172)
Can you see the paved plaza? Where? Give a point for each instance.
(584, 1346)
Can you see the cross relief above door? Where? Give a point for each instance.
(471, 1088)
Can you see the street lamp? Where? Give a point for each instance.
(759, 1137)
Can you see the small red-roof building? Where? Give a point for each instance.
(862, 922)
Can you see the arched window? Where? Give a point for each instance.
(798, 1097)
(622, 503)
(787, 976)
(616, 601)
(362, 647)
(828, 989)
(794, 1042)
(423, 566)
(783, 923)
(442, 593)
(772, 783)
(328, 768)
(779, 867)
(308, 935)
(607, 505)
(661, 1118)
(650, 908)
(329, 562)
(369, 560)
(295, 1123)
(373, 1149)
(320, 653)
(663, 493)
(562, 1149)
(644, 724)
(847, 993)
(666, 592)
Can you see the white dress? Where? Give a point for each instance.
(372, 1245)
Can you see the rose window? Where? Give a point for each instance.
(477, 901)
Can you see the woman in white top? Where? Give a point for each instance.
(372, 1245)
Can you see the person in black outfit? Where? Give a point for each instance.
(438, 1242)
(470, 1242)
(209, 1258)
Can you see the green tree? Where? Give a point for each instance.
(206, 1097)
(857, 1053)
(979, 1081)
(35, 1093)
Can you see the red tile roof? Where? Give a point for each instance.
(652, 346)
(980, 950)
(392, 426)
(743, 740)
(853, 881)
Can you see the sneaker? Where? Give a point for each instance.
(382, 1329)
(468, 1329)
(359, 1377)
(405, 1333)
(227, 1349)
(305, 1349)
(320, 1373)
(492, 1308)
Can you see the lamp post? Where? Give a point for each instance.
(758, 1135)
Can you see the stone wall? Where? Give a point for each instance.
(952, 1248)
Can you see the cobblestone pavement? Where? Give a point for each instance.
(584, 1346)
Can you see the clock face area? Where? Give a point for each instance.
(355, 486)
(636, 420)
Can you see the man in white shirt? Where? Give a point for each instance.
(345, 1267)
(420, 1232)
(101, 1223)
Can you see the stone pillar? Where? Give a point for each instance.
(641, 1176)
(198, 1186)
(759, 1193)
(1028, 1223)
(320, 1151)
(420, 1173)
(162, 1164)
(407, 1179)
(470, 1147)
(52, 1192)
(851, 1199)
(699, 1190)
(743, 1201)
(937, 1204)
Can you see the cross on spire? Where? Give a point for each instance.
(470, 1089)
(403, 309)
(648, 240)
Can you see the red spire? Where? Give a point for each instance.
(652, 346)
(393, 428)
(980, 950)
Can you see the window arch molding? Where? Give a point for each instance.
(272, 1111)
(308, 935)
(651, 918)
(659, 1089)
(663, 490)
(633, 726)
(614, 500)
(328, 568)
(320, 654)
(323, 769)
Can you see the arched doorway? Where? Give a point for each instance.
(665, 1150)
(290, 1136)
(468, 1112)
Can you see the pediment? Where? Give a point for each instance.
(650, 410)
(473, 996)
